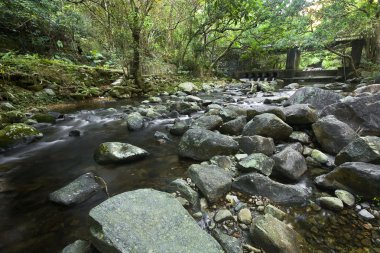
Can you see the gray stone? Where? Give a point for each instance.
(135, 121)
(268, 125)
(211, 180)
(289, 163)
(222, 161)
(186, 108)
(332, 134)
(180, 127)
(257, 144)
(231, 112)
(346, 197)
(296, 146)
(300, 114)
(223, 215)
(192, 98)
(79, 190)
(365, 215)
(230, 244)
(181, 186)
(255, 110)
(155, 100)
(275, 212)
(356, 177)
(6, 106)
(79, 246)
(256, 163)
(245, 216)
(145, 221)
(316, 97)
(202, 145)
(360, 113)
(211, 122)
(373, 88)
(272, 235)
(257, 184)
(117, 152)
(187, 87)
(331, 203)
(364, 149)
(234, 127)
(300, 136)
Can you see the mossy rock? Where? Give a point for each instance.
(12, 117)
(18, 133)
(44, 118)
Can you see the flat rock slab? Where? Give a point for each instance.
(147, 221)
(117, 152)
(79, 190)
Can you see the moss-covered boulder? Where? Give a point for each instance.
(12, 117)
(118, 152)
(44, 118)
(18, 133)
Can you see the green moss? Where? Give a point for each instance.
(18, 133)
(12, 117)
(44, 118)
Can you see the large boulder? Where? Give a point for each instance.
(186, 108)
(212, 180)
(187, 87)
(300, 114)
(360, 113)
(180, 127)
(18, 133)
(79, 190)
(373, 88)
(332, 134)
(316, 97)
(210, 122)
(145, 221)
(289, 163)
(231, 112)
(202, 145)
(135, 121)
(356, 177)
(256, 163)
(268, 125)
(234, 127)
(118, 152)
(257, 144)
(258, 109)
(257, 184)
(364, 149)
(273, 235)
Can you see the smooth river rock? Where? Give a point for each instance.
(147, 221)
(118, 152)
(289, 163)
(257, 184)
(202, 145)
(79, 190)
(300, 114)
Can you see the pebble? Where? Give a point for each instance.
(365, 215)
(223, 215)
(346, 197)
(245, 216)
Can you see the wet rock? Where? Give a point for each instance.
(296, 146)
(255, 110)
(79, 190)
(257, 144)
(116, 152)
(79, 246)
(319, 156)
(356, 177)
(231, 112)
(300, 136)
(233, 127)
(316, 97)
(222, 161)
(275, 212)
(18, 133)
(359, 113)
(256, 162)
(373, 88)
(161, 136)
(192, 98)
(230, 244)
(155, 222)
(180, 127)
(268, 125)
(155, 100)
(257, 184)
(331, 203)
(74, 133)
(181, 186)
(187, 87)
(185, 108)
(12, 117)
(223, 215)
(300, 114)
(365, 215)
(289, 163)
(346, 197)
(202, 145)
(211, 122)
(211, 180)
(332, 134)
(364, 149)
(245, 216)
(135, 121)
(272, 235)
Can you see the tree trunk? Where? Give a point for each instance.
(136, 60)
